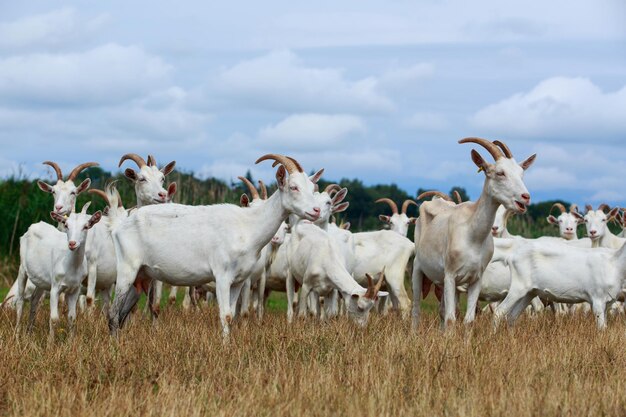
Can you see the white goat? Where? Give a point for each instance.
(54, 261)
(564, 274)
(398, 221)
(454, 244)
(100, 250)
(598, 231)
(567, 222)
(192, 245)
(149, 188)
(315, 261)
(65, 193)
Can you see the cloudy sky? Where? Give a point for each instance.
(377, 90)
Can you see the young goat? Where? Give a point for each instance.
(54, 261)
(454, 244)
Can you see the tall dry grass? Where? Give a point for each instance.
(542, 366)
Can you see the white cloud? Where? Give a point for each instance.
(427, 121)
(311, 131)
(280, 81)
(558, 108)
(52, 29)
(107, 74)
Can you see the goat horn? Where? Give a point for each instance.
(331, 187)
(603, 207)
(57, 169)
(133, 157)
(434, 194)
(79, 169)
(392, 204)
(372, 289)
(489, 146)
(101, 194)
(151, 161)
(588, 207)
(253, 191)
(560, 206)
(263, 190)
(505, 149)
(573, 208)
(85, 207)
(457, 196)
(406, 204)
(288, 163)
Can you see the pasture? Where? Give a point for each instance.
(545, 365)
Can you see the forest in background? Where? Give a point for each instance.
(22, 203)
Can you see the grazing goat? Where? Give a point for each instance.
(193, 245)
(316, 263)
(54, 261)
(454, 244)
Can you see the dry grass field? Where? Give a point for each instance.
(541, 366)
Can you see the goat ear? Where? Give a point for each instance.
(281, 177)
(130, 174)
(479, 161)
(528, 162)
(244, 201)
(171, 189)
(168, 168)
(44, 187)
(57, 217)
(316, 177)
(552, 220)
(412, 220)
(83, 186)
(578, 216)
(384, 219)
(341, 207)
(95, 218)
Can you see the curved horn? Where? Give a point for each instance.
(489, 146)
(253, 191)
(79, 169)
(434, 194)
(505, 149)
(457, 196)
(560, 206)
(372, 289)
(289, 165)
(603, 207)
(573, 208)
(151, 161)
(297, 163)
(56, 168)
(133, 157)
(263, 190)
(588, 207)
(85, 207)
(331, 187)
(392, 204)
(406, 204)
(101, 194)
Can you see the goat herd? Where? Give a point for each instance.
(240, 254)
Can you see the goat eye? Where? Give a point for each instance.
(501, 174)
(142, 180)
(294, 188)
